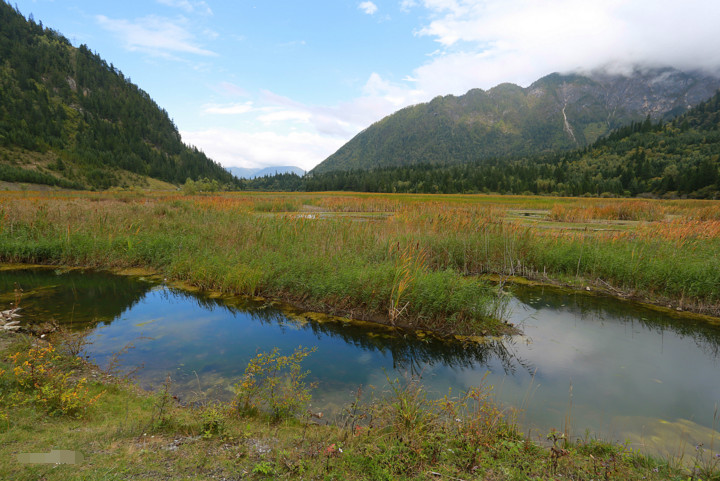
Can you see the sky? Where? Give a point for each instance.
(284, 82)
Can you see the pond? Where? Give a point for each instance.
(614, 369)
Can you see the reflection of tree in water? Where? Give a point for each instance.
(608, 309)
(80, 298)
(408, 351)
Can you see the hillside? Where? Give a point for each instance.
(678, 158)
(67, 118)
(556, 113)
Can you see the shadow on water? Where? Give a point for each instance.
(205, 342)
(78, 298)
(410, 353)
(622, 370)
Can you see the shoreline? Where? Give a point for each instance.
(578, 457)
(295, 305)
(196, 441)
(668, 306)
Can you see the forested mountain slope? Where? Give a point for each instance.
(677, 158)
(556, 113)
(68, 118)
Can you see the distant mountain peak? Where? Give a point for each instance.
(252, 173)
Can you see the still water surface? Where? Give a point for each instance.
(615, 369)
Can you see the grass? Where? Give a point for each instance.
(131, 434)
(408, 259)
(314, 249)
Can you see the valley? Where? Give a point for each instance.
(521, 281)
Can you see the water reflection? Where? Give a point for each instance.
(405, 351)
(618, 368)
(621, 370)
(72, 297)
(600, 308)
(409, 353)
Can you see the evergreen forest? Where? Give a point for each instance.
(70, 119)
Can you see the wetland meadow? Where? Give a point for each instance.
(445, 336)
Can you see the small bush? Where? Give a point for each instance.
(163, 404)
(41, 381)
(275, 384)
(212, 421)
(72, 343)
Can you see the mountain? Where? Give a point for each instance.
(279, 170)
(556, 113)
(679, 158)
(248, 173)
(67, 118)
(241, 172)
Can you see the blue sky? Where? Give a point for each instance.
(276, 82)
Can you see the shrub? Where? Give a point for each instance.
(41, 381)
(212, 421)
(275, 384)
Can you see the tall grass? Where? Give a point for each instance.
(617, 210)
(216, 243)
(258, 244)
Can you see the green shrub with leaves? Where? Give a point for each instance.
(275, 384)
(41, 380)
(212, 420)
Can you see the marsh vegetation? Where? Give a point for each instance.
(440, 263)
(413, 260)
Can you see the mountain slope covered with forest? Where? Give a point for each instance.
(556, 113)
(67, 118)
(676, 158)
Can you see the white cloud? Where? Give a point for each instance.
(486, 42)
(379, 98)
(230, 89)
(395, 95)
(286, 116)
(263, 149)
(277, 130)
(211, 34)
(293, 43)
(481, 43)
(199, 7)
(368, 7)
(228, 109)
(154, 35)
(406, 5)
